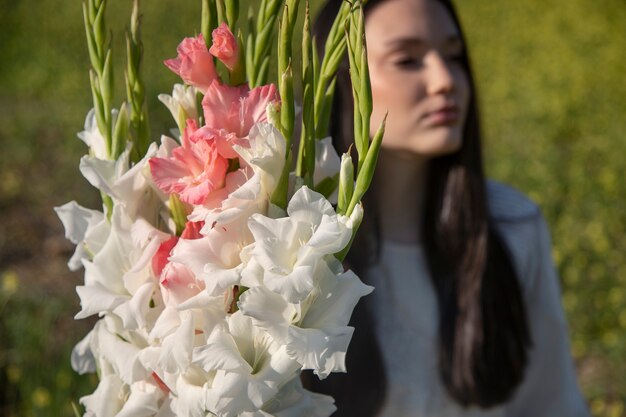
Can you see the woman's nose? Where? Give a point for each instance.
(439, 76)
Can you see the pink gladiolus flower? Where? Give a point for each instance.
(161, 257)
(177, 282)
(194, 63)
(232, 111)
(194, 170)
(225, 46)
(192, 230)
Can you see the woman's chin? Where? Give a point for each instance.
(426, 145)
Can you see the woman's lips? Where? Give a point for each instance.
(446, 116)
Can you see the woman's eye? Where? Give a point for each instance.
(407, 62)
(456, 57)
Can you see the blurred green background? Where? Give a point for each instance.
(551, 83)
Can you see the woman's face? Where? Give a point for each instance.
(414, 56)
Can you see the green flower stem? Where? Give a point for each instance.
(209, 20)
(260, 41)
(101, 74)
(360, 142)
(75, 409)
(249, 48)
(106, 92)
(178, 211)
(292, 8)
(101, 78)
(325, 107)
(135, 88)
(221, 11)
(284, 41)
(364, 177)
(333, 54)
(120, 134)
(232, 13)
(359, 76)
(306, 156)
(365, 94)
(285, 85)
(98, 105)
(327, 186)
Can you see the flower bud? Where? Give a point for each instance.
(225, 46)
(346, 183)
(194, 64)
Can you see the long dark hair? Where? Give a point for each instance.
(483, 331)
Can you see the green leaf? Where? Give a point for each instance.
(120, 133)
(365, 175)
(91, 42)
(327, 186)
(99, 29)
(75, 409)
(208, 20)
(232, 13)
(106, 81)
(178, 211)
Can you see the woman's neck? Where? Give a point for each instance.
(399, 192)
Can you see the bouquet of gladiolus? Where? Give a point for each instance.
(215, 265)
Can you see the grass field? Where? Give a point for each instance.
(553, 97)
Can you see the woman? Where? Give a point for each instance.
(466, 318)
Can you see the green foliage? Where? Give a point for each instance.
(553, 100)
(550, 77)
(36, 378)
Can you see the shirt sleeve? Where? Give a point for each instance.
(549, 388)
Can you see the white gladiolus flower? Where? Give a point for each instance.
(143, 400)
(315, 331)
(215, 258)
(288, 249)
(250, 367)
(175, 355)
(122, 374)
(121, 355)
(211, 295)
(166, 147)
(191, 391)
(92, 136)
(259, 413)
(164, 348)
(119, 278)
(294, 401)
(131, 187)
(247, 190)
(87, 229)
(265, 154)
(182, 104)
(327, 164)
(108, 398)
(82, 358)
(241, 197)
